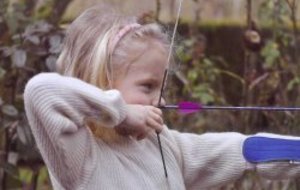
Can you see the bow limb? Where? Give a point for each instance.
(165, 80)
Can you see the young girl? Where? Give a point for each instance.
(95, 123)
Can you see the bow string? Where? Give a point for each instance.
(165, 81)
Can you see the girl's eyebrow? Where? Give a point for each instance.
(151, 79)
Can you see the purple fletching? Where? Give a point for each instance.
(189, 107)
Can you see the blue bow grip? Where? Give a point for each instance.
(259, 149)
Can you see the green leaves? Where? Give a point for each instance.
(293, 83)
(271, 54)
(204, 93)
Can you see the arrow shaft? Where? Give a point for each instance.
(235, 108)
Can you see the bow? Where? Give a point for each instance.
(191, 107)
(165, 79)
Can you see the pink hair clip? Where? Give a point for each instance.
(122, 33)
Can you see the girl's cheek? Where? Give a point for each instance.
(137, 96)
(143, 99)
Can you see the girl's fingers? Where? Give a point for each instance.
(152, 123)
(157, 118)
(157, 111)
(140, 121)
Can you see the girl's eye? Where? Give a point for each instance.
(147, 87)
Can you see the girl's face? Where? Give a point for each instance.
(141, 83)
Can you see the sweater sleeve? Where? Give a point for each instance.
(210, 160)
(215, 159)
(56, 108)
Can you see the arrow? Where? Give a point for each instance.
(191, 107)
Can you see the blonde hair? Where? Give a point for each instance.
(86, 53)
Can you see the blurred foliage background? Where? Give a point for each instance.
(233, 52)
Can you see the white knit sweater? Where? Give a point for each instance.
(57, 107)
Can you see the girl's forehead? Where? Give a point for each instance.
(153, 58)
(148, 58)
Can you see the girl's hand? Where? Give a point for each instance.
(140, 121)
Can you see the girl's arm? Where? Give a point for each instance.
(214, 159)
(56, 108)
